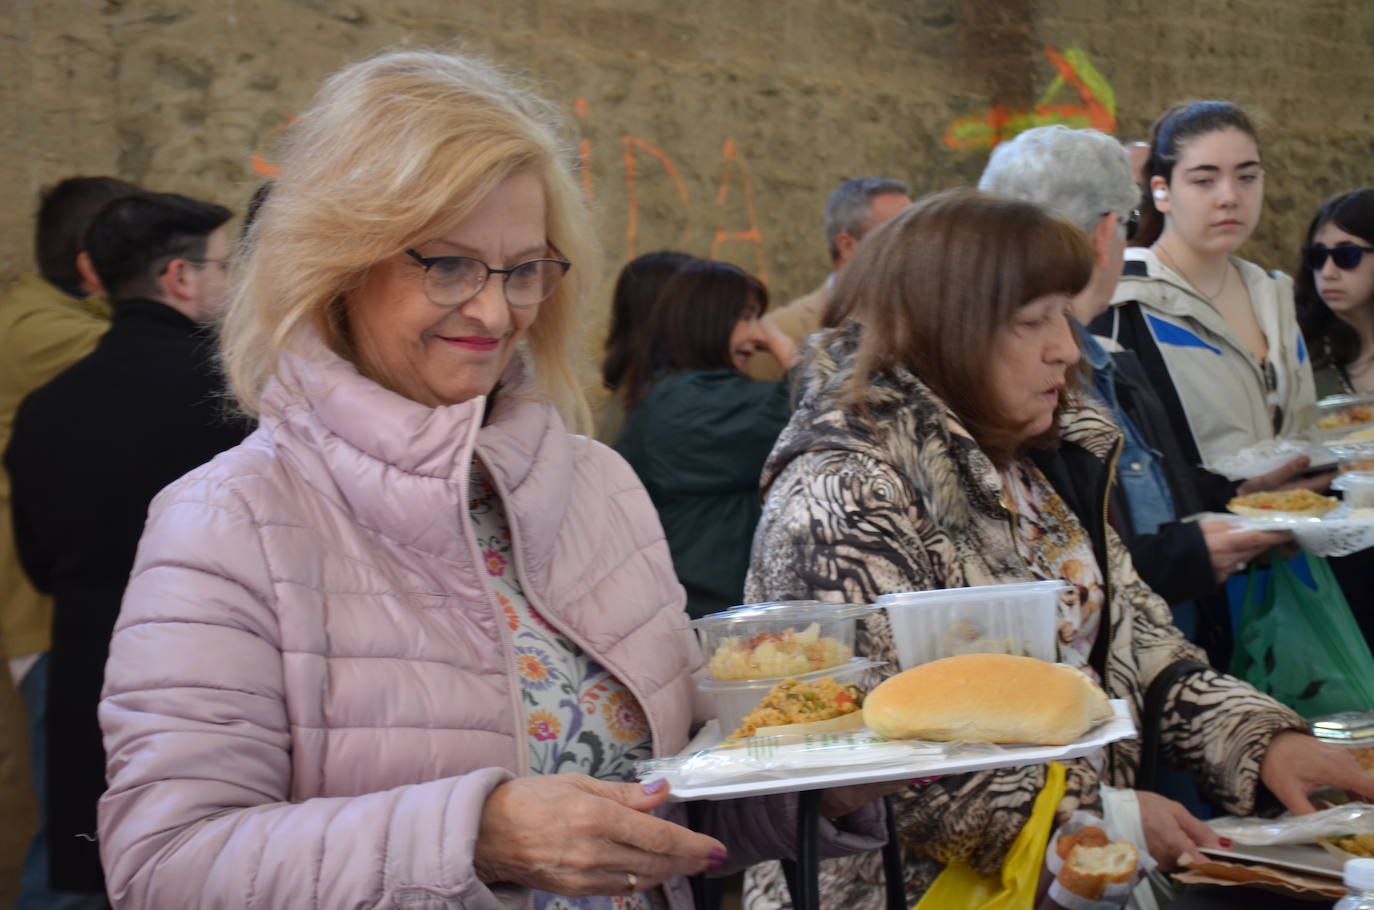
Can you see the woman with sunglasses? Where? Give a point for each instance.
(1215, 333)
(405, 645)
(1335, 293)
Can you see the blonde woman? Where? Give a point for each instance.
(405, 644)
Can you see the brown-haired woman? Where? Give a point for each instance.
(636, 292)
(940, 441)
(699, 429)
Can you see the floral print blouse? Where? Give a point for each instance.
(1054, 544)
(579, 718)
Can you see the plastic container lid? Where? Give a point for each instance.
(849, 669)
(799, 611)
(1358, 479)
(1358, 874)
(1349, 728)
(977, 592)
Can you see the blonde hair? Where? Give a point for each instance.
(393, 149)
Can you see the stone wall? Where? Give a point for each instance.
(715, 127)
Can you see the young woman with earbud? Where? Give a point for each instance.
(1216, 333)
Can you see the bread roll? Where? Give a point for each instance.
(993, 698)
(1090, 870)
(1090, 836)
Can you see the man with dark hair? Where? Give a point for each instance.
(48, 321)
(855, 207)
(88, 453)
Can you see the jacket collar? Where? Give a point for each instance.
(402, 467)
(146, 310)
(35, 287)
(1093, 352)
(1170, 293)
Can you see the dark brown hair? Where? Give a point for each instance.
(133, 238)
(1168, 134)
(690, 326)
(65, 213)
(931, 287)
(636, 292)
(1331, 340)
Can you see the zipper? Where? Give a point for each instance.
(618, 672)
(1107, 611)
(522, 752)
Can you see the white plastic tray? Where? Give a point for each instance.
(1117, 728)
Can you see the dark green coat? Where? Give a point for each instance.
(698, 442)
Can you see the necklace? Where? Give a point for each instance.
(1211, 298)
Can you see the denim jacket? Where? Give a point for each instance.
(1139, 469)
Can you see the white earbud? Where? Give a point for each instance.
(1161, 195)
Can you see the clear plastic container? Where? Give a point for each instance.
(1353, 456)
(735, 698)
(775, 640)
(1352, 729)
(1341, 415)
(1358, 878)
(1357, 488)
(1000, 619)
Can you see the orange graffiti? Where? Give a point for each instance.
(734, 165)
(1096, 107)
(261, 166)
(733, 170)
(584, 152)
(632, 216)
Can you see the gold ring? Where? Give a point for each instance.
(631, 882)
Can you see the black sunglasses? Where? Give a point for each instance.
(1345, 256)
(1132, 222)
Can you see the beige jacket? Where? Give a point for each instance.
(798, 321)
(42, 332)
(1220, 384)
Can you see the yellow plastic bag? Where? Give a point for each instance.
(960, 887)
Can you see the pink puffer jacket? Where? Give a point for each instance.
(311, 690)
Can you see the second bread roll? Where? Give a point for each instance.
(994, 698)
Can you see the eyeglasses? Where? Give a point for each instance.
(1346, 256)
(1132, 221)
(202, 263)
(453, 280)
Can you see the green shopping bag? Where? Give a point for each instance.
(1299, 642)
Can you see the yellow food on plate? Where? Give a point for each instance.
(1352, 416)
(794, 702)
(1365, 756)
(1283, 504)
(770, 654)
(1359, 435)
(1357, 844)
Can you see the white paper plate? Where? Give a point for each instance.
(1117, 728)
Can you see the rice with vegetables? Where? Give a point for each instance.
(795, 702)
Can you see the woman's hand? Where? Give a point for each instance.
(1296, 764)
(780, 345)
(574, 835)
(1172, 833)
(1285, 477)
(1231, 550)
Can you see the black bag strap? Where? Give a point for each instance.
(1152, 715)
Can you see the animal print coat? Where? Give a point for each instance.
(901, 498)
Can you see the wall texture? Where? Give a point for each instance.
(716, 127)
